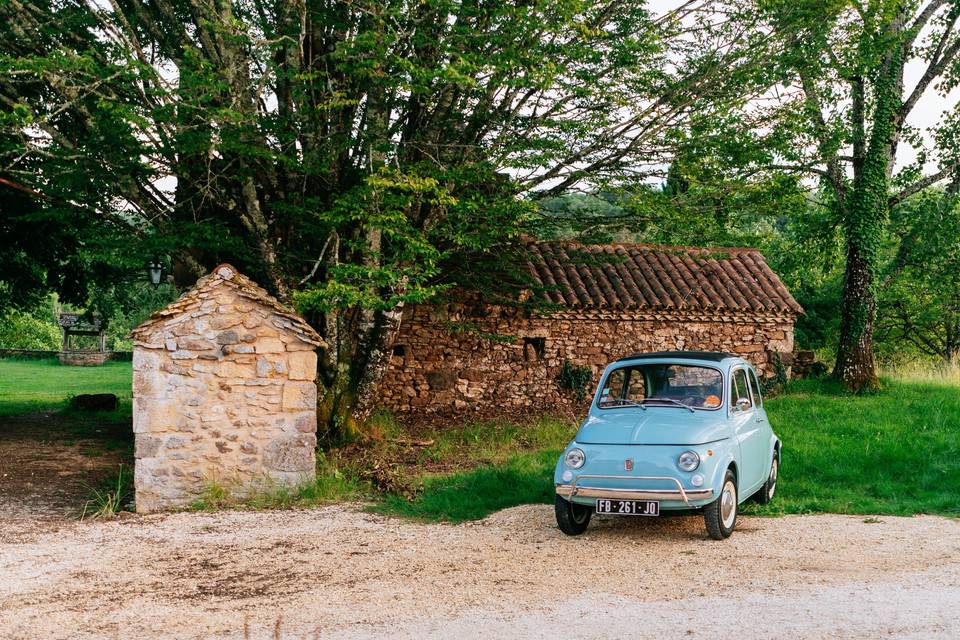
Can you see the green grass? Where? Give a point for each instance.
(28, 386)
(475, 469)
(331, 485)
(471, 495)
(895, 452)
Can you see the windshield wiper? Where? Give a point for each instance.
(624, 402)
(676, 402)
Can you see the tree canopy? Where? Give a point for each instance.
(358, 156)
(353, 156)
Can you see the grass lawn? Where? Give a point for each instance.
(45, 386)
(896, 452)
(28, 386)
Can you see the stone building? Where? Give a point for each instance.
(599, 303)
(224, 392)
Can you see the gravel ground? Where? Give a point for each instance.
(340, 573)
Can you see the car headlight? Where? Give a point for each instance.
(688, 460)
(575, 458)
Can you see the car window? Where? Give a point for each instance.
(738, 387)
(623, 386)
(613, 387)
(665, 384)
(636, 387)
(755, 387)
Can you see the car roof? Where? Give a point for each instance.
(709, 356)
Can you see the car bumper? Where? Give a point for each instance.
(685, 496)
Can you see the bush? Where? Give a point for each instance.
(19, 330)
(575, 378)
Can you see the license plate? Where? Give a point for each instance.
(629, 507)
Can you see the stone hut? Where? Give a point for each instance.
(223, 391)
(599, 303)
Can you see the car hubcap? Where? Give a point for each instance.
(773, 477)
(728, 505)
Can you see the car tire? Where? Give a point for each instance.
(571, 518)
(720, 515)
(769, 488)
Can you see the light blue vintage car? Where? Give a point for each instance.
(670, 431)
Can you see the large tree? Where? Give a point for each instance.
(353, 156)
(826, 98)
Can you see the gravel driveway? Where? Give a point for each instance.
(341, 573)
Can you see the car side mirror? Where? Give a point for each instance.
(743, 404)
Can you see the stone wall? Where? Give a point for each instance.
(447, 360)
(223, 392)
(83, 358)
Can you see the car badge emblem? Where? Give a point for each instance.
(628, 464)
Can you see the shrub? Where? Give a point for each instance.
(19, 330)
(575, 378)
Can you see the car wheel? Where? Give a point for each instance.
(720, 515)
(571, 518)
(765, 495)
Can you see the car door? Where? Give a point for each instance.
(761, 415)
(748, 424)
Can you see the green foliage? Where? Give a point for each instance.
(920, 302)
(463, 246)
(575, 378)
(775, 383)
(398, 120)
(835, 112)
(130, 305)
(349, 156)
(19, 330)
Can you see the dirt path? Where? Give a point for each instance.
(340, 573)
(47, 471)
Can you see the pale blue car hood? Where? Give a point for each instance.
(656, 425)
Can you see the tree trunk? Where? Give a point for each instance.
(376, 359)
(361, 356)
(855, 365)
(865, 217)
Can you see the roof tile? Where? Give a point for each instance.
(636, 276)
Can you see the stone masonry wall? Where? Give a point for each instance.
(224, 394)
(435, 368)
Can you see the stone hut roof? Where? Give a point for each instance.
(225, 275)
(685, 281)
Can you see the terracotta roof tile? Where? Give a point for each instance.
(634, 276)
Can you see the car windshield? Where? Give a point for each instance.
(669, 385)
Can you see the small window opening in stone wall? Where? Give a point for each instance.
(534, 348)
(400, 350)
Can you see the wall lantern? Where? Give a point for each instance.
(155, 270)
